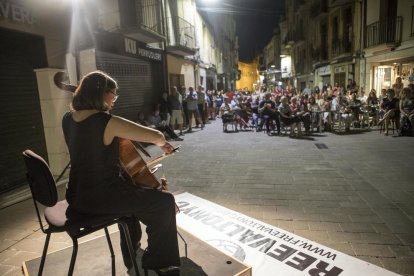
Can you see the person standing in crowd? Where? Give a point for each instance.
(183, 93)
(93, 135)
(219, 102)
(176, 109)
(307, 90)
(201, 101)
(192, 109)
(163, 107)
(211, 104)
(398, 87)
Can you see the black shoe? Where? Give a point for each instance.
(178, 139)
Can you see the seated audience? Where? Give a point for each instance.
(154, 120)
(288, 117)
(299, 111)
(406, 112)
(267, 110)
(389, 110)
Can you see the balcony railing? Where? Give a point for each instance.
(142, 19)
(294, 36)
(341, 46)
(180, 33)
(318, 8)
(320, 54)
(386, 31)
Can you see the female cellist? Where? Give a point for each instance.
(95, 187)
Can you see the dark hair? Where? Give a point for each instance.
(91, 90)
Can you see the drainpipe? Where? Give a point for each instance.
(362, 4)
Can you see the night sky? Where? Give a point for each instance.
(255, 21)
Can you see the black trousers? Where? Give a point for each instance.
(201, 111)
(161, 229)
(269, 117)
(154, 208)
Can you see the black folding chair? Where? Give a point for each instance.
(44, 192)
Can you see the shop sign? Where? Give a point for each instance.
(325, 70)
(340, 69)
(15, 12)
(132, 48)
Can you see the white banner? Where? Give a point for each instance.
(267, 249)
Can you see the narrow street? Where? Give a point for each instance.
(355, 195)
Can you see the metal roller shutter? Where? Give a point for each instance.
(134, 77)
(21, 124)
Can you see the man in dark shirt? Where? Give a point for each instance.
(176, 109)
(268, 112)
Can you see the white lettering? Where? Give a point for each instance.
(16, 12)
(4, 8)
(130, 46)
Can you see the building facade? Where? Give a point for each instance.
(325, 42)
(146, 45)
(388, 43)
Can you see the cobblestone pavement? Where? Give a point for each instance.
(352, 192)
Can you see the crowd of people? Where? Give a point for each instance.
(299, 111)
(97, 185)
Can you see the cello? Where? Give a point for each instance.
(133, 165)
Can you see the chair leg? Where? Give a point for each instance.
(124, 227)
(74, 254)
(108, 238)
(42, 262)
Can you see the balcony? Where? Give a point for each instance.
(384, 34)
(319, 55)
(319, 9)
(294, 36)
(180, 36)
(141, 20)
(340, 47)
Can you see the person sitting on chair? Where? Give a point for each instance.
(314, 109)
(389, 109)
(407, 110)
(288, 118)
(227, 113)
(341, 110)
(372, 105)
(267, 110)
(355, 108)
(300, 111)
(154, 120)
(93, 135)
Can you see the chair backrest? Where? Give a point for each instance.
(40, 178)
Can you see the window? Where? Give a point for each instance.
(412, 21)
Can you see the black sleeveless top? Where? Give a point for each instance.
(94, 173)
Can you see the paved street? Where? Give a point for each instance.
(355, 195)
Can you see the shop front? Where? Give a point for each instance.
(323, 76)
(138, 70)
(180, 71)
(385, 75)
(30, 44)
(385, 67)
